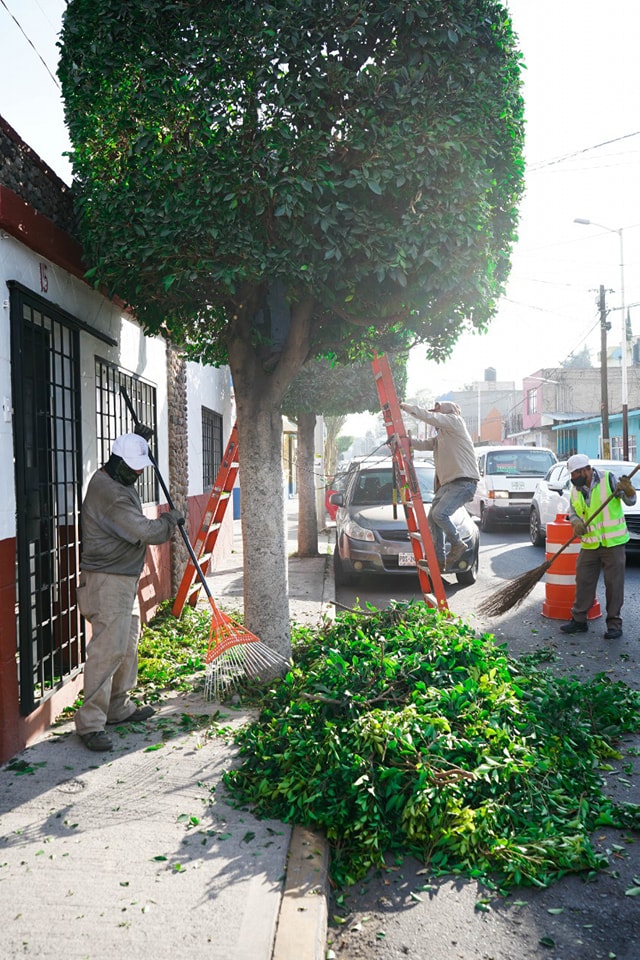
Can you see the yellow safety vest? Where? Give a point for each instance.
(609, 528)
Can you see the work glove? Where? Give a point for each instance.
(145, 432)
(624, 486)
(579, 527)
(176, 517)
(393, 442)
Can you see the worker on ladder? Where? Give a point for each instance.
(456, 475)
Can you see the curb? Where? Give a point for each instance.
(302, 922)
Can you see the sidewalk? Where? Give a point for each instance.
(136, 853)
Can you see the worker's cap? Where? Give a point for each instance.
(446, 406)
(133, 449)
(577, 462)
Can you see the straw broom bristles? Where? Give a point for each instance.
(518, 589)
(514, 592)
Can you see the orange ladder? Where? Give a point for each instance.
(416, 517)
(191, 584)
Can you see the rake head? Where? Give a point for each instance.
(234, 655)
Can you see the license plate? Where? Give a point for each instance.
(406, 560)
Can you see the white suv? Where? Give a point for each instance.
(552, 494)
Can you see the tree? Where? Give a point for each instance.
(266, 183)
(327, 389)
(333, 426)
(581, 359)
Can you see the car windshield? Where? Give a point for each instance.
(618, 468)
(376, 486)
(519, 463)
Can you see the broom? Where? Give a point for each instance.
(233, 653)
(518, 589)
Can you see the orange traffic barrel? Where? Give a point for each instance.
(560, 578)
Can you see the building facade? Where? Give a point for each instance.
(66, 352)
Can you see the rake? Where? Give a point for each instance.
(518, 589)
(234, 653)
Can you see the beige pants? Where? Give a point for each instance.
(110, 603)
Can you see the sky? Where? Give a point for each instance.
(582, 151)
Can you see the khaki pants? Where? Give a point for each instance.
(110, 603)
(611, 560)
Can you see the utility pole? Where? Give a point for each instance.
(604, 390)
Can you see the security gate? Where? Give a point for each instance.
(47, 444)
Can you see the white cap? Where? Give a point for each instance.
(133, 449)
(577, 462)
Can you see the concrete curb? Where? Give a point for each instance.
(302, 922)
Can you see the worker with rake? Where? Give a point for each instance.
(115, 534)
(597, 517)
(456, 476)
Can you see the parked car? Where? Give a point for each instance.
(508, 478)
(372, 534)
(334, 485)
(551, 497)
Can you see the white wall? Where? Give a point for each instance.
(206, 387)
(135, 353)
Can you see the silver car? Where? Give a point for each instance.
(551, 497)
(371, 530)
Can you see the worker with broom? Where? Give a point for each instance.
(456, 476)
(115, 534)
(597, 517)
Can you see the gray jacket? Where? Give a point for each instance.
(453, 452)
(115, 531)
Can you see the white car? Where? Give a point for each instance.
(551, 497)
(508, 478)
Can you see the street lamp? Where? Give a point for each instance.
(623, 343)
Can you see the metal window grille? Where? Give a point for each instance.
(211, 446)
(47, 445)
(113, 417)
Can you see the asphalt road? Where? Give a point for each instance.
(403, 912)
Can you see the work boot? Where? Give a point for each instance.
(613, 633)
(574, 626)
(457, 551)
(138, 715)
(97, 740)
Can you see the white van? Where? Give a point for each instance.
(508, 478)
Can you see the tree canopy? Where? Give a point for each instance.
(364, 154)
(267, 183)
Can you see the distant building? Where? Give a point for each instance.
(556, 399)
(488, 407)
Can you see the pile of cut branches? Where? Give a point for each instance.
(403, 730)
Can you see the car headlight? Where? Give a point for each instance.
(355, 532)
(498, 495)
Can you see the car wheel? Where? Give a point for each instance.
(341, 577)
(486, 523)
(536, 533)
(466, 578)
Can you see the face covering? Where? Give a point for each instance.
(118, 470)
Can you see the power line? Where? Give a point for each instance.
(576, 153)
(30, 42)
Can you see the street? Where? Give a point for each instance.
(405, 912)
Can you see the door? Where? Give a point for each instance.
(46, 426)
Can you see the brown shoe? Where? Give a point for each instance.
(138, 715)
(97, 740)
(457, 551)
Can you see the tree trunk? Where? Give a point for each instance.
(334, 425)
(266, 584)
(307, 513)
(258, 393)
